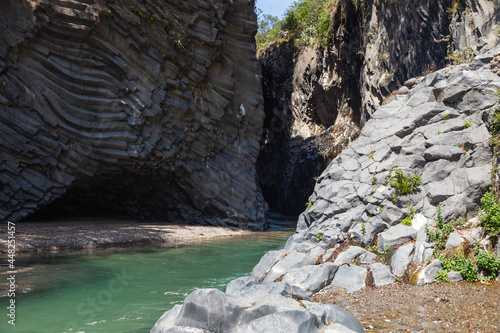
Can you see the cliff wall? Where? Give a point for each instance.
(317, 97)
(151, 108)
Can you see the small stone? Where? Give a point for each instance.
(455, 276)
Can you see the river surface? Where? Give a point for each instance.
(124, 290)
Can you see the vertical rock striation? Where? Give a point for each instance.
(149, 108)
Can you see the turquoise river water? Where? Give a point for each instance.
(126, 291)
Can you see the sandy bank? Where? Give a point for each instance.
(84, 233)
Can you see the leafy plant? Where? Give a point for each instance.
(309, 205)
(443, 230)
(403, 184)
(489, 262)
(105, 12)
(137, 11)
(459, 263)
(489, 213)
(363, 228)
(495, 119)
(319, 237)
(467, 268)
(374, 181)
(408, 220)
(446, 116)
(307, 21)
(462, 56)
(442, 276)
(374, 248)
(468, 123)
(151, 18)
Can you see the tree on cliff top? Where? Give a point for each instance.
(305, 20)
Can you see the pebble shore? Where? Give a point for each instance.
(87, 233)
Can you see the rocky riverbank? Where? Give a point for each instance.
(352, 235)
(94, 232)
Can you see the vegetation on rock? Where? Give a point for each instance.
(443, 230)
(306, 21)
(403, 184)
(490, 213)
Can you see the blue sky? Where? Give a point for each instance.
(274, 7)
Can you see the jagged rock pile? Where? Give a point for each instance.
(437, 130)
(151, 108)
(248, 306)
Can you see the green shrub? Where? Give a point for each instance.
(440, 235)
(442, 276)
(462, 56)
(306, 20)
(105, 12)
(408, 220)
(374, 248)
(137, 11)
(403, 184)
(495, 119)
(459, 263)
(489, 213)
(467, 268)
(488, 262)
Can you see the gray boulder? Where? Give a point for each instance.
(267, 261)
(287, 321)
(450, 153)
(382, 275)
(334, 314)
(455, 276)
(355, 254)
(205, 309)
(401, 259)
(349, 256)
(288, 263)
(423, 248)
(429, 273)
(396, 235)
(210, 310)
(350, 277)
(247, 291)
(311, 278)
(454, 239)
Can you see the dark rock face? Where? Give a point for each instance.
(310, 94)
(152, 109)
(371, 52)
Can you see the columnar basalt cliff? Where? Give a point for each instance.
(151, 108)
(371, 49)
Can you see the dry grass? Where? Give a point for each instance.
(391, 97)
(429, 69)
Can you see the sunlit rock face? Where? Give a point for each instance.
(151, 109)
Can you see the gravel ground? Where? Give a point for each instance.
(444, 307)
(85, 233)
